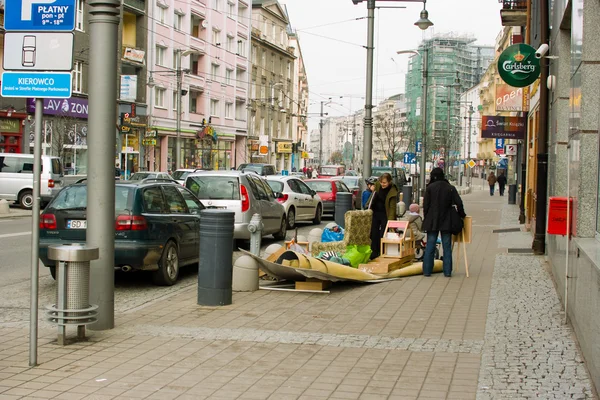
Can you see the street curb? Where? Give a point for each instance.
(17, 213)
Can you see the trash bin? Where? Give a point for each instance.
(343, 203)
(73, 289)
(407, 192)
(512, 194)
(215, 270)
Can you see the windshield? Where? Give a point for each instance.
(320, 186)
(214, 187)
(255, 168)
(138, 176)
(379, 172)
(329, 171)
(276, 186)
(75, 197)
(180, 175)
(350, 181)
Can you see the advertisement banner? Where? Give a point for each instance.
(73, 107)
(493, 127)
(284, 147)
(509, 98)
(518, 65)
(128, 87)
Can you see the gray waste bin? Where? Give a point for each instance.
(73, 289)
(215, 271)
(343, 203)
(407, 192)
(512, 194)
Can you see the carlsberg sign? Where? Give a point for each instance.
(518, 66)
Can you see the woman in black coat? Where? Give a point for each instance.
(440, 197)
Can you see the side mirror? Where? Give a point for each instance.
(278, 195)
(313, 192)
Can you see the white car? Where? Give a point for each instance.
(181, 174)
(301, 203)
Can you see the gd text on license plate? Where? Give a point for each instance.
(76, 224)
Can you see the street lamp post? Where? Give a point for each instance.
(270, 117)
(179, 72)
(423, 23)
(471, 111)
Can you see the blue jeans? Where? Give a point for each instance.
(492, 190)
(430, 252)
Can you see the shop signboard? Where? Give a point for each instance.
(9, 125)
(493, 127)
(74, 107)
(518, 65)
(134, 54)
(284, 147)
(509, 98)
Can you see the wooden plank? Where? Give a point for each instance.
(294, 290)
(313, 284)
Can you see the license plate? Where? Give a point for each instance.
(218, 207)
(76, 224)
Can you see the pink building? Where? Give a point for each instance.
(211, 38)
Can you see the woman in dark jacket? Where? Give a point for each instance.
(440, 197)
(383, 203)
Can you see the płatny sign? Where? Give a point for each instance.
(493, 127)
(39, 15)
(518, 66)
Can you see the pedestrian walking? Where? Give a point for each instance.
(501, 182)
(368, 191)
(492, 182)
(314, 174)
(440, 199)
(383, 203)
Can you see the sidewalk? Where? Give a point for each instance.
(495, 335)
(16, 212)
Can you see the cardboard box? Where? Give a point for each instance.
(312, 284)
(382, 265)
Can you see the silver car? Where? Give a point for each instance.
(245, 193)
(301, 202)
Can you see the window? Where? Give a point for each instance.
(214, 72)
(153, 200)
(228, 73)
(273, 31)
(175, 60)
(228, 110)
(229, 45)
(174, 100)
(254, 53)
(79, 15)
(78, 77)
(214, 107)
(193, 103)
(216, 37)
(159, 97)
(192, 203)
(230, 10)
(240, 76)
(160, 56)
(175, 203)
(241, 47)
(161, 15)
(264, 59)
(289, 70)
(178, 21)
(216, 5)
(253, 89)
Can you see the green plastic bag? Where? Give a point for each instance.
(357, 254)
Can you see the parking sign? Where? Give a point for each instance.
(39, 15)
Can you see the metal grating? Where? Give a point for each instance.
(520, 251)
(505, 230)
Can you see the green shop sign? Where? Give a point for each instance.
(518, 65)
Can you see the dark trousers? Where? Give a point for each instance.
(492, 190)
(430, 252)
(501, 189)
(377, 228)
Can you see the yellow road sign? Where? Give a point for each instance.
(471, 164)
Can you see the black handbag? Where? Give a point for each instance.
(456, 222)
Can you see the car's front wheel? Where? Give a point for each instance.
(168, 266)
(318, 215)
(280, 235)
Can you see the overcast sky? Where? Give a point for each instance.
(332, 41)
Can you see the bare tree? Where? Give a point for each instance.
(393, 135)
(336, 157)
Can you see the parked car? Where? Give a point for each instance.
(398, 175)
(328, 189)
(16, 178)
(351, 172)
(156, 228)
(138, 176)
(301, 203)
(181, 174)
(245, 193)
(327, 171)
(353, 183)
(261, 169)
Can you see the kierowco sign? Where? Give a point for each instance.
(518, 66)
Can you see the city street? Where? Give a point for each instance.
(132, 289)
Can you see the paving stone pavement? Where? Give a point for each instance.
(494, 335)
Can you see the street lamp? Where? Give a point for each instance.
(270, 118)
(423, 23)
(179, 53)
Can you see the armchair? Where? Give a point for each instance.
(358, 232)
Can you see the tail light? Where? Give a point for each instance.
(283, 199)
(48, 221)
(131, 223)
(50, 183)
(245, 199)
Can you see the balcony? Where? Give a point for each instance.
(513, 12)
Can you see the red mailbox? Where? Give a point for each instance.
(557, 215)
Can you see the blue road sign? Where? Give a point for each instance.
(44, 85)
(410, 158)
(418, 146)
(463, 162)
(39, 15)
(503, 163)
(499, 143)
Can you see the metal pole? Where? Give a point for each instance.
(469, 147)
(104, 28)
(35, 233)
(447, 141)
(178, 138)
(321, 137)
(368, 120)
(423, 160)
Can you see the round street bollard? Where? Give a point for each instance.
(407, 195)
(245, 274)
(216, 257)
(512, 194)
(314, 235)
(255, 227)
(343, 203)
(4, 207)
(271, 249)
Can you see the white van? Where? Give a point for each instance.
(16, 178)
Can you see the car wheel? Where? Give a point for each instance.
(26, 199)
(52, 269)
(168, 266)
(318, 215)
(282, 230)
(291, 218)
